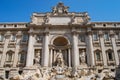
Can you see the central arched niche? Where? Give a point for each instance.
(60, 41)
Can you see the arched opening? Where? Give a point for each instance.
(60, 46)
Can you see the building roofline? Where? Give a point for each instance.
(105, 22)
(14, 22)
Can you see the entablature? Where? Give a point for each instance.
(105, 24)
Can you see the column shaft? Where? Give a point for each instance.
(90, 52)
(75, 52)
(46, 50)
(30, 52)
(51, 56)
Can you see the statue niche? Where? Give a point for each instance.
(82, 57)
(37, 58)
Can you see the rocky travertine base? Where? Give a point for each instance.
(63, 73)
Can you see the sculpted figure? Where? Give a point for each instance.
(82, 57)
(59, 59)
(65, 9)
(46, 19)
(73, 18)
(37, 58)
(54, 9)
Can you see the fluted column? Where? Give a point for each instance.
(115, 49)
(103, 48)
(30, 52)
(75, 52)
(46, 50)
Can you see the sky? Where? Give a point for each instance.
(21, 10)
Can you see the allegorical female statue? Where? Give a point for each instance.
(37, 58)
(82, 57)
(59, 59)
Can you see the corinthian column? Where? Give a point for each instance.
(46, 50)
(30, 52)
(75, 52)
(90, 57)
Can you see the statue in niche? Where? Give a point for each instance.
(39, 38)
(59, 59)
(37, 58)
(82, 57)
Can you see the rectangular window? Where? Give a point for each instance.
(110, 56)
(117, 36)
(95, 36)
(1, 37)
(13, 37)
(106, 36)
(7, 74)
(25, 37)
(82, 38)
(21, 57)
(9, 57)
(98, 56)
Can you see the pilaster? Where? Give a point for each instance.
(114, 47)
(103, 48)
(7, 37)
(18, 36)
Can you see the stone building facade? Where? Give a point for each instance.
(59, 45)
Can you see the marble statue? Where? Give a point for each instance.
(37, 58)
(54, 9)
(82, 58)
(59, 59)
(46, 19)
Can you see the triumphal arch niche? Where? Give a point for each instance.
(60, 44)
(64, 45)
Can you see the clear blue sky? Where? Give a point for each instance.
(21, 10)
